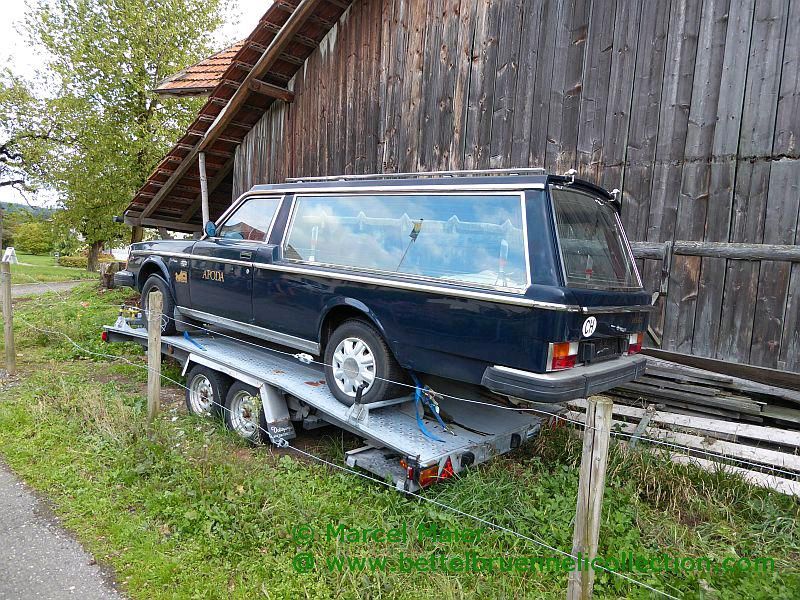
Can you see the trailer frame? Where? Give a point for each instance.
(293, 391)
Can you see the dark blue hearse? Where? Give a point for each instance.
(521, 282)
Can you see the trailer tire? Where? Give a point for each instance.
(344, 356)
(155, 282)
(244, 414)
(206, 391)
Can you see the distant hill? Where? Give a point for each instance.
(37, 211)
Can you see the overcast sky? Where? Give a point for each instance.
(22, 61)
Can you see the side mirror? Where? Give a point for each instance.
(211, 229)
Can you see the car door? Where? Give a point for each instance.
(221, 274)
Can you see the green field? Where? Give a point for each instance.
(34, 268)
(190, 511)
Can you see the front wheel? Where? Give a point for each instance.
(356, 356)
(154, 282)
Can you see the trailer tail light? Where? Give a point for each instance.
(104, 336)
(562, 356)
(432, 474)
(635, 343)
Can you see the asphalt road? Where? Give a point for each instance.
(38, 558)
(20, 290)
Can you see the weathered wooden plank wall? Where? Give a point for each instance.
(691, 107)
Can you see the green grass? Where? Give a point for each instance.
(192, 512)
(35, 268)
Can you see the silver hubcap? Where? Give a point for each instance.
(353, 366)
(244, 414)
(201, 395)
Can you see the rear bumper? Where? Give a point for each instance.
(124, 279)
(560, 386)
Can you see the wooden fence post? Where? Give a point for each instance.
(590, 495)
(154, 305)
(8, 319)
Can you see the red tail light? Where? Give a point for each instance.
(635, 343)
(562, 356)
(104, 336)
(433, 474)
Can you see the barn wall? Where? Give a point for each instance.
(691, 107)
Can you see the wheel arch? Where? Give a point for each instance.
(151, 266)
(342, 309)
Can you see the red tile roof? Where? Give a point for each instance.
(200, 78)
(179, 207)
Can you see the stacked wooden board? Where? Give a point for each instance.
(687, 390)
(764, 456)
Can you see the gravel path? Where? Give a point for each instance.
(38, 558)
(21, 290)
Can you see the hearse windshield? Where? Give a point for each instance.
(468, 238)
(592, 243)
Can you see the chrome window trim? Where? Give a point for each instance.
(526, 250)
(476, 294)
(626, 244)
(446, 291)
(235, 206)
(253, 330)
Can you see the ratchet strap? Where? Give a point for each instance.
(423, 397)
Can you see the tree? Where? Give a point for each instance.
(35, 237)
(106, 58)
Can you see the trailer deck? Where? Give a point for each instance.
(396, 446)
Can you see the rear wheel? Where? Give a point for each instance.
(155, 282)
(205, 391)
(244, 413)
(357, 356)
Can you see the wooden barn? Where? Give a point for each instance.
(690, 107)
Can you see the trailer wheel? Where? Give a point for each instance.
(357, 355)
(244, 413)
(154, 282)
(205, 391)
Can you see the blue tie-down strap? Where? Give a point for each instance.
(189, 338)
(421, 400)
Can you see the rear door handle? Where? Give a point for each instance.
(246, 254)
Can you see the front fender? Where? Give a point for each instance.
(152, 264)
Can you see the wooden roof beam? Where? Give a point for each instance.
(273, 91)
(279, 43)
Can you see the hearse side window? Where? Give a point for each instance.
(475, 239)
(250, 221)
(592, 243)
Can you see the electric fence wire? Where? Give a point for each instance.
(619, 434)
(285, 444)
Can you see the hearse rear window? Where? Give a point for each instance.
(475, 239)
(592, 243)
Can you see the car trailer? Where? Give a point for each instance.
(412, 451)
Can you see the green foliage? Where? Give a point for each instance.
(192, 512)
(103, 129)
(77, 262)
(35, 237)
(26, 128)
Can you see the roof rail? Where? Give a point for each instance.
(417, 174)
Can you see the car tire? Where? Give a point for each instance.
(156, 282)
(355, 354)
(244, 414)
(206, 391)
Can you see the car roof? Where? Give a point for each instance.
(445, 182)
